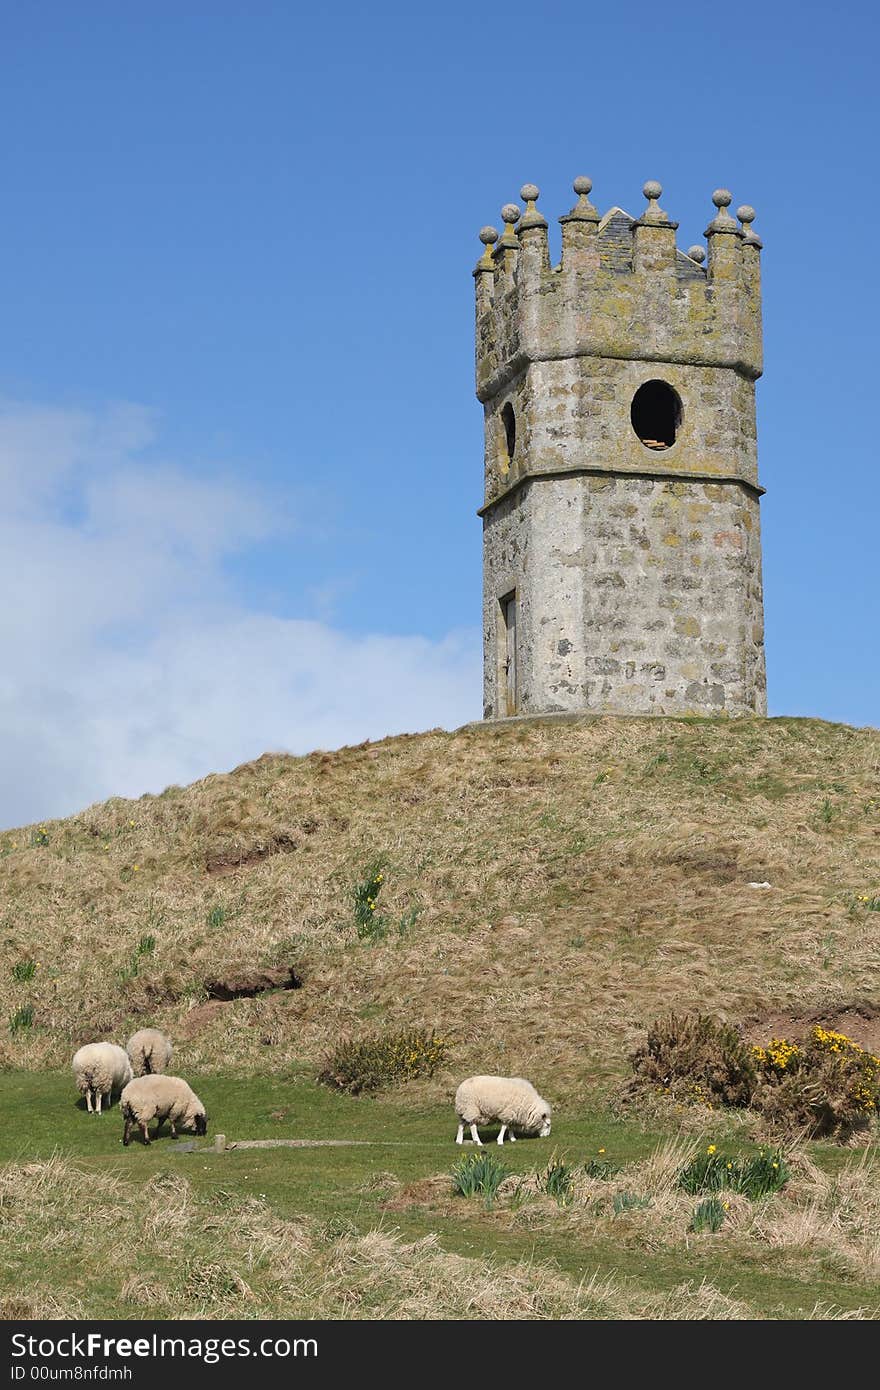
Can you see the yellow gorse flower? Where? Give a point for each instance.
(778, 1055)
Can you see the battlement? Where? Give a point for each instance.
(622, 290)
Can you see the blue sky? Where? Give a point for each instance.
(239, 444)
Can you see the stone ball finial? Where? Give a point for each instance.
(510, 213)
(746, 213)
(488, 236)
(696, 253)
(722, 198)
(582, 185)
(652, 189)
(529, 192)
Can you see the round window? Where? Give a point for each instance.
(656, 414)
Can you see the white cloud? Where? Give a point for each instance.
(129, 661)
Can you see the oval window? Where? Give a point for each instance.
(656, 414)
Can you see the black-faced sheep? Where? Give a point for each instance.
(150, 1051)
(161, 1098)
(507, 1100)
(99, 1069)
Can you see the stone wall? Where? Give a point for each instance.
(635, 595)
(575, 413)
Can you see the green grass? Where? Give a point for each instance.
(338, 1185)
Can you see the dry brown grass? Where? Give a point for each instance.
(161, 1250)
(79, 1243)
(570, 882)
(818, 1225)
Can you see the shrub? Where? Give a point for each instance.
(755, 1177)
(829, 1085)
(478, 1174)
(382, 1059)
(696, 1057)
(708, 1216)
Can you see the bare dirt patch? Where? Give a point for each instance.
(239, 982)
(231, 860)
(199, 1018)
(859, 1020)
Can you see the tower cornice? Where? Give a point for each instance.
(667, 474)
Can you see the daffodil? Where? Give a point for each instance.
(711, 1149)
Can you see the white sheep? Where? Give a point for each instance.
(150, 1051)
(99, 1069)
(161, 1098)
(510, 1100)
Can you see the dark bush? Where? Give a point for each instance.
(383, 1059)
(695, 1057)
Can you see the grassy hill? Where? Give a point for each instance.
(548, 888)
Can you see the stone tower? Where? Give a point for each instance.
(621, 542)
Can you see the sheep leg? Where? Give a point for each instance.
(126, 1133)
(173, 1130)
(89, 1099)
(475, 1136)
(501, 1133)
(459, 1138)
(143, 1129)
(100, 1097)
(512, 1137)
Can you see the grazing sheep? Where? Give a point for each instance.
(99, 1069)
(150, 1051)
(508, 1099)
(161, 1098)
